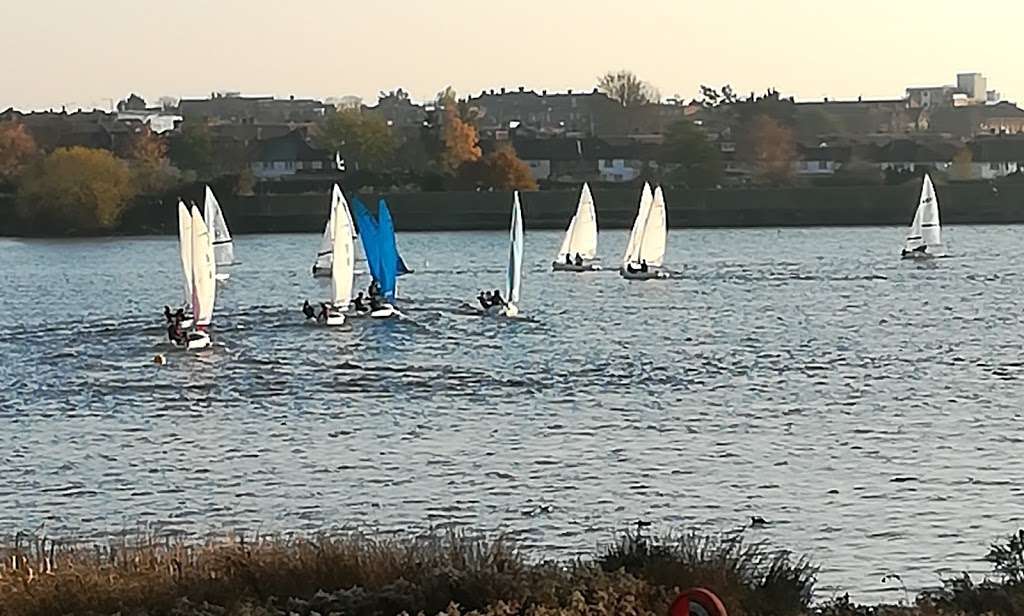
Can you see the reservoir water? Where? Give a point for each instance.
(868, 408)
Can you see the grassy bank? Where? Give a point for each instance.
(441, 574)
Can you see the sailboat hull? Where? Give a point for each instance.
(198, 341)
(648, 275)
(321, 272)
(334, 319)
(387, 311)
(572, 267)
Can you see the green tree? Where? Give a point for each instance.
(17, 150)
(700, 162)
(192, 149)
(364, 139)
(75, 190)
(628, 89)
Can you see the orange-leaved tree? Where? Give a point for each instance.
(501, 169)
(17, 150)
(772, 150)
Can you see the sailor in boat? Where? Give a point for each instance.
(358, 304)
(579, 260)
(324, 312)
(485, 299)
(307, 309)
(175, 334)
(168, 315)
(643, 265)
(568, 260)
(922, 249)
(496, 299)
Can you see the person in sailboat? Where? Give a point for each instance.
(579, 260)
(922, 249)
(175, 333)
(643, 265)
(358, 304)
(485, 299)
(168, 315)
(497, 300)
(324, 310)
(568, 259)
(307, 309)
(179, 316)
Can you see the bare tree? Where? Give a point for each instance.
(628, 89)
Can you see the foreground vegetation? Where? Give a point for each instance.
(451, 574)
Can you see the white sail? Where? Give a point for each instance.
(655, 235)
(581, 236)
(632, 254)
(220, 237)
(185, 250)
(925, 229)
(515, 258)
(204, 271)
(343, 252)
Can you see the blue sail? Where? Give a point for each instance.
(388, 252)
(369, 234)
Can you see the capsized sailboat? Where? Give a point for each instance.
(220, 237)
(579, 247)
(514, 273)
(204, 283)
(924, 240)
(645, 251)
(185, 252)
(343, 260)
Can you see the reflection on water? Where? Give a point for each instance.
(867, 408)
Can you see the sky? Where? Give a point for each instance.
(91, 53)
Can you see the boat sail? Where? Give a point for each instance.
(204, 283)
(343, 259)
(645, 252)
(514, 277)
(924, 240)
(185, 252)
(322, 262)
(223, 245)
(580, 238)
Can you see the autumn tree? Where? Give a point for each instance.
(146, 154)
(363, 139)
(628, 89)
(17, 150)
(502, 170)
(771, 150)
(962, 163)
(75, 190)
(700, 162)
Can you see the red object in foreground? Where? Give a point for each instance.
(698, 602)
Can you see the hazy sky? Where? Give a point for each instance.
(84, 53)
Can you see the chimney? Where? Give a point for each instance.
(543, 92)
(570, 91)
(522, 89)
(503, 90)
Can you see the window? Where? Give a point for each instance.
(993, 166)
(279, 165)
(318, 165)
(822, 165)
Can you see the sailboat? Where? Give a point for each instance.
(645, 251)
(204, 283)
(514, 273)
(382, 258)
(924, 240)
(322, 263)
(185, 251)
(580, 238)
(342, 260)
(220, 237)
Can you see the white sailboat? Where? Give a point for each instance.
(514, 274)
(645, 251)
(322, 262)
(220, 237)
(924, 240)
(343, 260)
(204, 283)
(580, 238)
(185, 252)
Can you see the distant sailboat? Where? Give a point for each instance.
(381, 249)
(924, 240)
(185, 252)
(514, 273)
(343, 260)
(220, 237)
(580, 238)
(645, 252)
(204, 282)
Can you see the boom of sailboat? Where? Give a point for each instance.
(205, 246)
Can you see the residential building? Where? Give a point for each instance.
(288, 155)
(233, 108)
(996, 157)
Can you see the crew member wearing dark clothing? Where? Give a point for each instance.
(358, 303)
(180, 315)
(484, 299)
(322, 317)
(568, 261)
(496, 299)
(643, 265)
(307, 310)
(579, 260)
(168, 315)
(174, 333)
